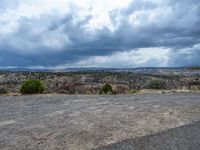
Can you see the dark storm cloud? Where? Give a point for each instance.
(51, 40)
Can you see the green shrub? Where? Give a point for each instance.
(106, 89)
(3, 91)
(32, 87)
(156, 84)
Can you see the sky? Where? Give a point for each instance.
(99, 33)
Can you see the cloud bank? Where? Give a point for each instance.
(106, 33)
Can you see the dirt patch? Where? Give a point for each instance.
(7, 122)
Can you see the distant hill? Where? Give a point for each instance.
(194, 68)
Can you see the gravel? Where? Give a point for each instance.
(79, 122)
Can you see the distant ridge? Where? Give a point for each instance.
(74, 69)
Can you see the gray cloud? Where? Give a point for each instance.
(52, 40)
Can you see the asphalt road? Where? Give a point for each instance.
(186, 137)
(78, 122)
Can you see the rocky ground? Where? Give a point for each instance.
(77, 122)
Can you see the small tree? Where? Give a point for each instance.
(32, 87)
(106, 89)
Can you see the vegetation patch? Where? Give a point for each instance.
(157, 84)
(133, 91)
(32, 87)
